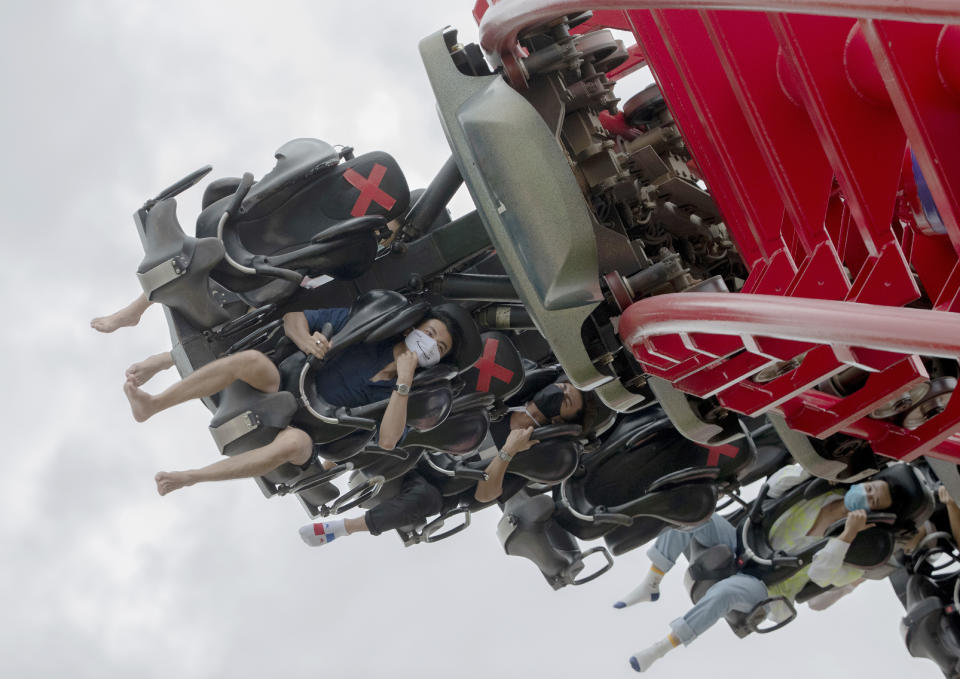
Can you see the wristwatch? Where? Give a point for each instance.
(506, 457)
(402, 389)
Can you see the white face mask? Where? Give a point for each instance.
(523, 409)
(424, 346)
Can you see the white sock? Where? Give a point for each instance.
(316, 534)
(642, 660)
(647, 590)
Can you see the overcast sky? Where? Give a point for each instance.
(104, 104)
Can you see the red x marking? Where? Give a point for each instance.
(370, 191)
(713, 458)
(488, 367)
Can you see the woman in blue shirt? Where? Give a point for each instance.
(362, 374)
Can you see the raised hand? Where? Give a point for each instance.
(519, 440)
(856, 522)
(944, 496)
(406, 365)
(315, 345)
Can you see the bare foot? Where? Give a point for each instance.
(140, 372)
(167, 482)
(140, 401)
(124, 318)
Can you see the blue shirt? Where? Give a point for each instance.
(345, 381)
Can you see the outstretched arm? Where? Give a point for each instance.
(827, 567)
(517, 441)
(825, 600)
(295, 327)
(785, 479)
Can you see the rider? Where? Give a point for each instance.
(363, 373)
(419, 498)
(129, 316)
(798, 527)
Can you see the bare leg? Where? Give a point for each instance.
(357, 525)
(250, 366)
(141, 371)
(291, 445)
(127, 316)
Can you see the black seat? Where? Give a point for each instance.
(637, 458)
(176, 267)
(461, 433)
(529, 530)
(929, 628)
(247, 418)
(299, 162)
(310, 215)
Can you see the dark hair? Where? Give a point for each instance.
(907, 497)
(592, 412)
(452, 327)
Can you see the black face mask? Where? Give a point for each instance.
(549, 400)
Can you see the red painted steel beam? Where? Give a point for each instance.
(747, 49)
(918, 63)
(845, 328)
(887, 439)
(701, 133)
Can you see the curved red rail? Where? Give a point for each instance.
(898, 329)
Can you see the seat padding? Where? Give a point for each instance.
(188, 292)
(219, 189)
(548, 462)
(460, 433)
(375, 316)
(428, 407)
(499, 370)
(625, 538)
(528, 530)
(344, 447)
(275, 217)
(924, 628)
(686, 505)
(272, 412)
(298, 162)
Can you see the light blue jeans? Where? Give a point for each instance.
(737, 593)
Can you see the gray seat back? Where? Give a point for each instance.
(175, 269)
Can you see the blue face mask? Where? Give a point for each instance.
(856, 498)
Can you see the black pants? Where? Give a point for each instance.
(416, 500)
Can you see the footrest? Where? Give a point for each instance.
(357, 496)
(430, 531)
(596, 574)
